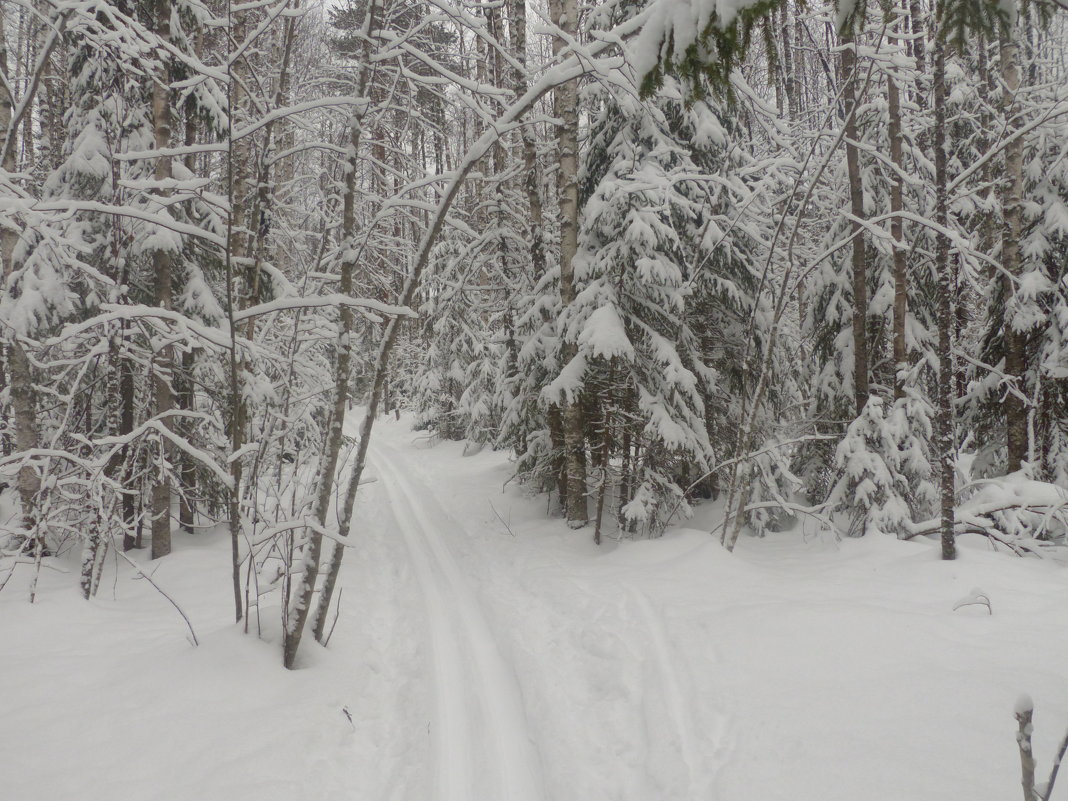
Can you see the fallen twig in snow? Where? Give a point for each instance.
(976, 598)
(503, 523)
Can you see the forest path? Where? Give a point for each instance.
(481, 748)
(556, 669)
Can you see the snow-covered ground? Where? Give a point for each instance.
(485, 653)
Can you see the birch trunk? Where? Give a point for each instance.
(788, 66)
(298, 613)
(564, 14)
(536, 226)
(536, 229)
(332, 453)
(531, 174)
(93, 541)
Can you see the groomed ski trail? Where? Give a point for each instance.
(480, 746)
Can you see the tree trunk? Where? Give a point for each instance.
(263, 201)
(946, 434)
(20, 376)
(626, 471)
(897, 229)
(918, 50)
(536, 227)
(1012, 204)
(788, 66)
(238, 296)
(298, 613)
(332, 454)
(1024, 715)
(856, 204)
(24, 401)
(186, 389)
(602, 490)
(33, 30)
(531, 173)
(188, 469)
(126, 424)
(237, 170)
(162, 267)
(555, 421)
(90, 553)
(564, 14)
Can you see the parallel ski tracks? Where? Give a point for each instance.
(480, 747)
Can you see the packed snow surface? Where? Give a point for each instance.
(483, 652)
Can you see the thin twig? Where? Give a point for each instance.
(503, 523)
(1056, 768)
(159, 589)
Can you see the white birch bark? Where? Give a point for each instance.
(310, 557)
(564, 14)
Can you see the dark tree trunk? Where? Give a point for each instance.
(1016, 407)
(162, 268)
(897, 230)
(856, 204)
(946, 433)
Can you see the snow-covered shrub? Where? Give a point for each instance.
(885, 472)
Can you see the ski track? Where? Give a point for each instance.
(479, 734)
(671, 684)
(703, 757)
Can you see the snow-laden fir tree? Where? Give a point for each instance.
(885, 473)
(1024, 307)
(896, 294)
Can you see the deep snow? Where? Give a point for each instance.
(485, 653)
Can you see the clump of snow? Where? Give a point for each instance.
(676, 24)
(1024, 704)
(1017, 506)
(603, 335)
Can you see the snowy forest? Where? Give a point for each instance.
(793, 275)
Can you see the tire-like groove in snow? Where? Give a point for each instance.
(469, 670)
